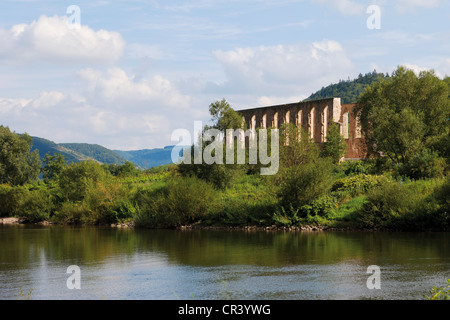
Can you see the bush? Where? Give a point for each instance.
(182, 201)
(406, 206)
(11, 199)
(76, 179)
(301, 184)
(424, 165)
(37, 206)
(386, 203)
(358, 184)
(70, 213)
(319, 207)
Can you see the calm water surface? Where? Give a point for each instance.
(207, 264)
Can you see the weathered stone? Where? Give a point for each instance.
(315, 117)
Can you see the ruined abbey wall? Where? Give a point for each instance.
(315, 117)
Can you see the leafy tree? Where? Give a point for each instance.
(350, 90)
(335, 145)
(53, 166)
(303, 176)
(77, 179)
(403, 115)
(220, 175)
(224, 116)
(18, 165)
(127, 169)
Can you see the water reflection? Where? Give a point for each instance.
(205, 264)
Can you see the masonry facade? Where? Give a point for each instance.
(315, 117)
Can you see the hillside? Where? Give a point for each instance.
(350, 90)
(148, 158)
(45, 146)
(75, 152)
(96, 152)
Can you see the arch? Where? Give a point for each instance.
(324, 124)
(345, 119)
(311, 119)
(264, 121)
(275, 120)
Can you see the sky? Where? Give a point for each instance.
(126, 74)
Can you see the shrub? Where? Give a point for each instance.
(406, 206)
(70, 213)
(37, 206)
(319, 207)
(182, 201)
(76, 179)
(358, 184)
(303, 183)
(442, 293)
(426, 164)
(11, 199)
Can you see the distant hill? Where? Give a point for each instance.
(349, 90)
(148, 158)
(75, 152)
(45, 146)
(95, 151)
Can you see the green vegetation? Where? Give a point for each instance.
(404, 186)
(95, 151)
(350, 90)
(442, 293)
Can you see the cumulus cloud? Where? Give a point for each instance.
(51, 39)
(284, 70)
(408, 5)
(113, 108)
(118, 88)
(347, 7)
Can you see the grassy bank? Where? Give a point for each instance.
(356, 198)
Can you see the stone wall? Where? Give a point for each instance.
(315, 117)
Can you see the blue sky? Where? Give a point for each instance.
(134, 71)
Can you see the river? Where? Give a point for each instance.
(130, 264)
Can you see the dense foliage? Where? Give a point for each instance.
(348, 90)
(311, 186)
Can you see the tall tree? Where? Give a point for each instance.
(224, 116)
(403, 115)
(335, 145)
(18, 165)
(53, 166)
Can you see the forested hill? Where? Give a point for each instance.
(75, 152)
(96, 152)
(349, 90)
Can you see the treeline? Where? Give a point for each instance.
(348, 90)
(404, 185)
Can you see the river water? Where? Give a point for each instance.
(132, 264)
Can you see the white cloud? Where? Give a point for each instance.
(410, 5)
(114, 109)
(116, 87)
(50, 39)
(347, 7)
(284, 70)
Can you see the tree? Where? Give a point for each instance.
(303, 176)
(224, 116)
(335, 145)
(403, 115)
(53, 166)
(77, 179)
(18, 165)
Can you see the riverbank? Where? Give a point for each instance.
(200, 226)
